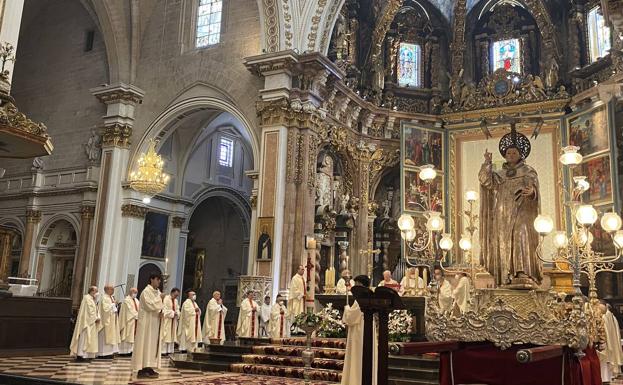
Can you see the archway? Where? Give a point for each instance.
(56, 257)
(143, 276)
(217, 249)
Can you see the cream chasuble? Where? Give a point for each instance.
(445, 296)
(84, 341)
(461, 294)
(265, 320)
(611, 358)
(351, 374)
(296, 299)
(247, 319)
(343, 287)
(146, 352)
(109, 326)
(171, 315)
(408, 284)
(128, 318)
(214, 322)
(279, 325)
(190, 326)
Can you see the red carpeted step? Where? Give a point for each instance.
(296, 351)
(318, 363)
(283, 371)
(334, 343)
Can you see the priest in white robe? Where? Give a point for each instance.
(296, 298)
(353, 318)
(84, 344)
(265, 317)
(410, 283)
(189, 332)
(611, 357)
(171, 316)
(344, 283)
(460, 294)
(146, 354)
(108, 334)
(388, 281)
(279, 320)
(444, 290)
(214, 322)
(248, 318)
(128, 318)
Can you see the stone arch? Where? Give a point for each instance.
(13, 221)
(240, 202)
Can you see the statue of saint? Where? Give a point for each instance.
(509, 205)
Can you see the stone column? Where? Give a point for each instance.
(132, 225)
(172, 252)
(77, 285)
(181, 260)
(33, 217)
(109, 257)
(6, 242)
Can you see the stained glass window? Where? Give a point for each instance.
(208, 22)
(598, 34)
(409, 65)
(226, 152)
(507, 55)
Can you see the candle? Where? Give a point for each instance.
(417, 276)
(166, 262)
(425, 273)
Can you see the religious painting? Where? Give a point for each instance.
(408, 65)
(589, 131)
(155, 235)
(416, 197)
(507, 55)
(602, 241)
(199, 262)
(422, 146)
(598, 175)
(265, 228)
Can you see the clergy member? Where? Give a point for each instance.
(353, 319)
(265, 310)
(611, 357)
(108, 334)
(460, 294)
(388, 281)
(214, 322)
(345, 283)
(189, 332)
(444, 290)
(247, 318)
(128, 318)
(84, 341)
(279, 325)
(410, 282)
(297, 293)
(170, 319)
(146, 354)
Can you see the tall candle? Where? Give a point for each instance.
(425, 274)
(417, 276)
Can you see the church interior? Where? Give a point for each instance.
(225, 192)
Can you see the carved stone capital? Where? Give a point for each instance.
(282, 112)
(116, 135)
(253, 200)
(119, 93)
(178, 222)
(87, 212)
(33, 216)
(130, 210)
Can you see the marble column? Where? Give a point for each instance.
(130, 244)
(172, 251)
(109, 258)
(33, 217)
(77, 285)
(181, 260)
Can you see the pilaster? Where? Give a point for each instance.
(125, 268)
(33, 218)
(172, 250)
(87, 213)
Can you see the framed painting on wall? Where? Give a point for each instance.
(265, 236)
(417, 192)
(598, 174)
(422, 146)
(589, 130)
(155, 235)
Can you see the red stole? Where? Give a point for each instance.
(196, 320)
(252, 318)
(220, 319)
(281, 324)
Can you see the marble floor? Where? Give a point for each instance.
(117, 372)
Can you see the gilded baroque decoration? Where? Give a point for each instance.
(178, 222)
(313, 34)
(130, 210)
(291, 156)
(509, 317)
(382, 26)
(33, 216)
(116, 135)
(329, 22)
(457, 47)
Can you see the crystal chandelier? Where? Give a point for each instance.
(148, 178)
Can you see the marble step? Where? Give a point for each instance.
(334, 343)
(420, 361)
(318, 363)
(284, 371)
(296, 351)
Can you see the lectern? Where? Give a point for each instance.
(382, 301)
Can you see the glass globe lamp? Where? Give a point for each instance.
(427, 173)
(586, 215)
(409, 235)
(560, 240)
(617, 238)
(611, 222)
(471, 196)
(446, 243)
(465, 243)
(570, 156)
(406, 222)
(543, 224)
(434, 222)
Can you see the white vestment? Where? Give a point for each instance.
(108, 334)
(128, 318)
(409, 284)
(461, 294)
(296, 298)
(611, 358)
(445, 296)
(146, 352)
(392, 284)
(171, 316)
(214, 322)
(190, 326)
(342, 287)
(84, 341)
(353, 360)
(279, 325)
(247, 319)
(264, 320)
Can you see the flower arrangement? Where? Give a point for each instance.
(400, 322)
(331, 325)
(306, 320)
